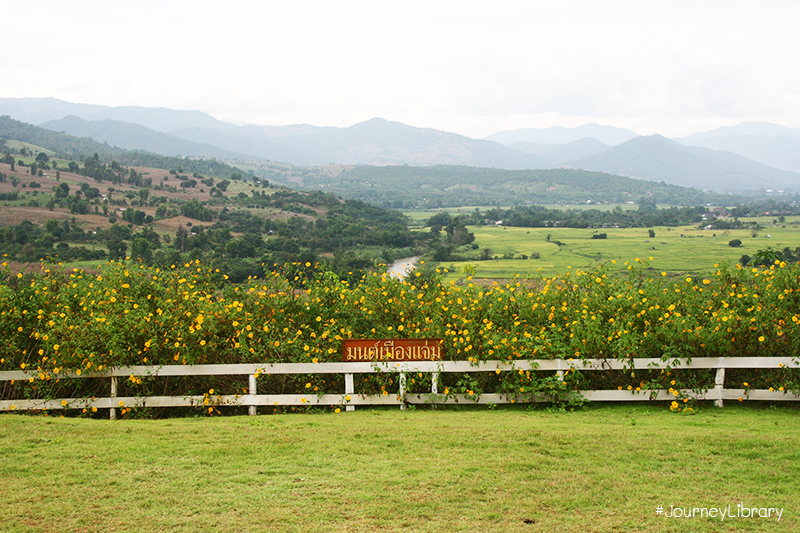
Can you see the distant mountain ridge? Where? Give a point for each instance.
(748, 156)
(745, 128)
(657, 158)
(609, 135)
(769, 144)
(130, 136)
(556, 155)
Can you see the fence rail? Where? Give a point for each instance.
(350, 398)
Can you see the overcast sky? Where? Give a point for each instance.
(474, 68)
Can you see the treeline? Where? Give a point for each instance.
(647, 215)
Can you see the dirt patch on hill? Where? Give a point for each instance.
(170, 225)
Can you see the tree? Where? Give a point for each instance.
(180, 238)
(141, 249)
(116, 249)
(651, 233)
(61, 190)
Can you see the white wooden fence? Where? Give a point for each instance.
(349, 398)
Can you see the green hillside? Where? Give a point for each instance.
(448, 186)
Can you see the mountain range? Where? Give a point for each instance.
(745, 157)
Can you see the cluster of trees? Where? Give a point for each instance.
(29, 242)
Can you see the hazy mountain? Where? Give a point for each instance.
(136, 137)
(770, 144)
(533, 148)
(657, 158)
(256, 140)
(74, 147)
(745, 128)
(39, 110)
(374, 142)
(555, 155)
(780, 152)
(608, 135)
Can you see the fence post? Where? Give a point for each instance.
(719, 382)
(349, 390)
(401, 392)
(252, 410)
(112, 415)
(434, 385)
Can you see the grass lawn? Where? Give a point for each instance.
(603, 469)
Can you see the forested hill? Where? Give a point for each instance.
(164, 211)
(449, 186)
(71, 147)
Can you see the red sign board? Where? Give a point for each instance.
(392, 349)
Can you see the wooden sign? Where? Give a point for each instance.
(392, 349)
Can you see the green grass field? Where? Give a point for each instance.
(679, 249)
(603, 469)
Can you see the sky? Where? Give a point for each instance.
(474, 68)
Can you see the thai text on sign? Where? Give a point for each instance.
(392, 349)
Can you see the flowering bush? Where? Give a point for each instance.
(60, 322)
